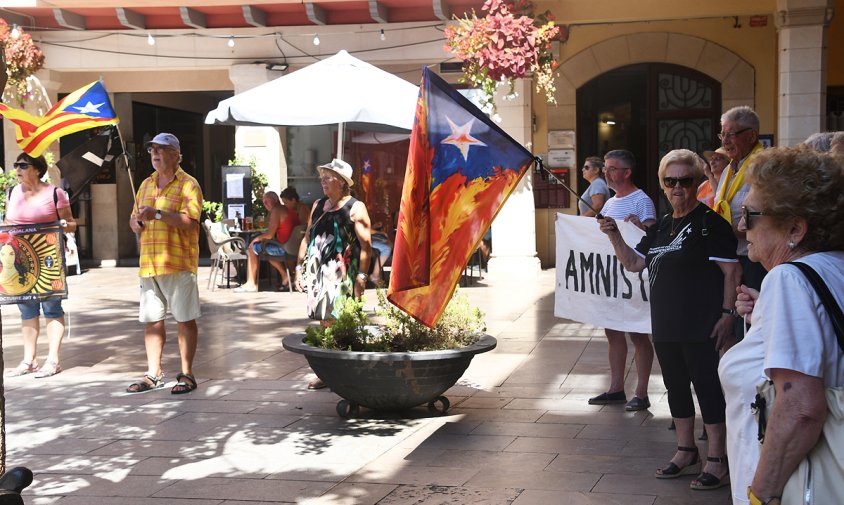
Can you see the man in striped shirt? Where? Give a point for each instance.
(167, 222)
(628, 204)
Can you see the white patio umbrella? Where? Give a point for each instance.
(340, 89)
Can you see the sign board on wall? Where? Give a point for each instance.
(563, 139)
(561, 158)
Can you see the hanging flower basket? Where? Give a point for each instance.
(23, 59)
(502, 46)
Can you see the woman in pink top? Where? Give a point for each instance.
(34, 201)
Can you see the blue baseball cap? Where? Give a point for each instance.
(165, 139)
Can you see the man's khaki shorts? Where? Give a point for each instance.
(178, 292)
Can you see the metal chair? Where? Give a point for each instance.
(224, 248)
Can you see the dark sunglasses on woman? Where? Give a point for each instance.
(685, 182)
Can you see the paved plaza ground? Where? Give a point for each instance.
(519, 430)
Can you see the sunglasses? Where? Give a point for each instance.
(22, 165)
(685, 182)
(747, 213)
(152, 149)
(730, 135)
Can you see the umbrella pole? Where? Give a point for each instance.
(340, 135)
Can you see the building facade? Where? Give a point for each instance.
(646, 76)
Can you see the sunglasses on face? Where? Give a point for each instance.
(685, 182)
(22, 165)
(747, 213)
(152, 149)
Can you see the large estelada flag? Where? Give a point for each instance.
(31, 262)
(461, 168)
(85, 108)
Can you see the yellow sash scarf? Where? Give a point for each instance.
(731, 186)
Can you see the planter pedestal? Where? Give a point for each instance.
(391, 381)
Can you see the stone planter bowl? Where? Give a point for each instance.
(390, 381)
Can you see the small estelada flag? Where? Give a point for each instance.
(85, 108)
(461, 168)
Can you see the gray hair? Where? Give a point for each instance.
(624, 155)
(743, 115)
(837, 139)
(821, 142)
(681, 157)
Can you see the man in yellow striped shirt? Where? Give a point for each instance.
(167, 222)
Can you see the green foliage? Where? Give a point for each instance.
(259, 182)
(6, 181)
(213, 210)
(459, 326)
(348, 332)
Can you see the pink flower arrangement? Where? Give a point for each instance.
(23, 58)
(503, 46)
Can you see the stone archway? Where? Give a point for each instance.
(736, 75)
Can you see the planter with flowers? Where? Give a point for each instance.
(393, 362)
(507, 43)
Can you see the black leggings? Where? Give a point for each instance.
(696, 363)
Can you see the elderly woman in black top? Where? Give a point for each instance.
(690, 255)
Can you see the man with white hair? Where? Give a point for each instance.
(167, 222)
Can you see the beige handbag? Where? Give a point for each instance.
(819, 478)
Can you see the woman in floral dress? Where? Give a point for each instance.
(335, 254)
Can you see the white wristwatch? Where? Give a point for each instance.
(157, 214)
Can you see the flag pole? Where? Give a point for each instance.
(129, 172)
(538, 160)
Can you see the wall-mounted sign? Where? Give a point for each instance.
(767, 140)
(560, 158)
(561, 139)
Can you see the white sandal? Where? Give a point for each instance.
(49, 369)
(24, 368)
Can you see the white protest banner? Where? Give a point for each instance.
(592, 285)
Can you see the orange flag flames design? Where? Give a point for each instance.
(461, 168)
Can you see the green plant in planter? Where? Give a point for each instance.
(460, 325)
(213, 210)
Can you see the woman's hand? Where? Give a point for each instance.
(360, 285)
(745, 301)
(297, 280)
(723, 333)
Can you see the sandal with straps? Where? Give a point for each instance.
(672, 471)
(24, 368)
(707, 482)
(49, 369)
(185, 383)
(148, 383)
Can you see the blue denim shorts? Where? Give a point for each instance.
(272, 249)
(52, 308)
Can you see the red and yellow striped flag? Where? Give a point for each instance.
(87, 107)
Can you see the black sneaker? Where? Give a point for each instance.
(608, 398)
(637, 404)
